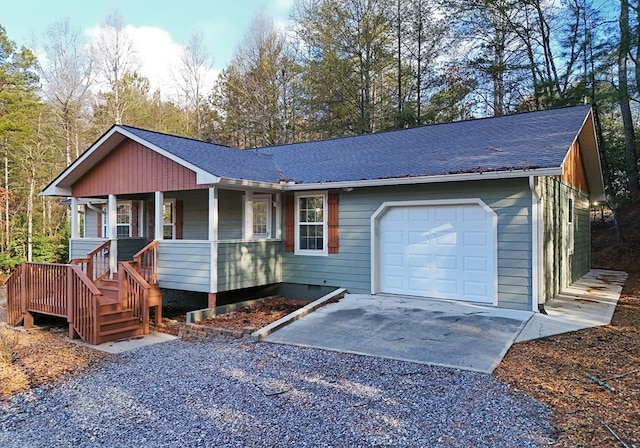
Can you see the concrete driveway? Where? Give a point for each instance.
(426, 331)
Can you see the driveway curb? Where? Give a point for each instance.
(286, 320)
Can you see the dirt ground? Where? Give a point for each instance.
(590, 378)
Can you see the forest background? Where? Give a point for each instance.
(343, 67)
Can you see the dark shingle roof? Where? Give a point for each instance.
(527, 140)
(511, 142)
(221, 161)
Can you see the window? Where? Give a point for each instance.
(570, 230)
(261, 217)
(311, 224)
(123, 221)
(169, 219)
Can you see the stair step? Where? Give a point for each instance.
(119, 324)
(121, 333)
(112, 315)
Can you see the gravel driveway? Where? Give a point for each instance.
(231, 393)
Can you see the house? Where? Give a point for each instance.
(493, 210)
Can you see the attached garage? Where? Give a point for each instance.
(437, 249)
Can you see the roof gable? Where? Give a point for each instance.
(132, 168)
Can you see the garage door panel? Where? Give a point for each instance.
(446, 238)
(476, 239)
(419, 261)
(448, 287)
(438, 251)
(476, 264)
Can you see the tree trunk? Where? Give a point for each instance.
(623, 95)
(32, 190)
(606, 171)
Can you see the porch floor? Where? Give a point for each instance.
(589, 302)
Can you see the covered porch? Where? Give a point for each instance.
(209, 240)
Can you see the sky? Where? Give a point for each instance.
(157, 27)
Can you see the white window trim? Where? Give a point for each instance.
(325, 240)
(171, 201)
(266, 198)
(105, 217)
(571, 218)
(248, 227)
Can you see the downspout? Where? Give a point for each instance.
(536, 252)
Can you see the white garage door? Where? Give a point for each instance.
(441, 251)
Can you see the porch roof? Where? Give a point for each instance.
(516, 145)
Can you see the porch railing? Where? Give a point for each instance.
(146, 261)
(96, 264)
(14, 290)
(135, 293)
(84, 305)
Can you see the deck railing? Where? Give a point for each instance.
(146, 261)
(135, 294)
(45, 288)
(84, 305)
(14, 293)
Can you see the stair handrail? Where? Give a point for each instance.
(15, 293)
(84, 299)
(99, 265)
(135, 293)
(146, 261)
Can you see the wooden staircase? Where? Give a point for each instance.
(100, 305)
(116, 321)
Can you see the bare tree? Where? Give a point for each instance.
(67, 74)
(191, 78)
(115, 57)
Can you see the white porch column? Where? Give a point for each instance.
(112, 232)
(159, 218)
(278, 207)
(213, 214)
(248, 215)
(213, 237)
(141, 218)
(75, 222)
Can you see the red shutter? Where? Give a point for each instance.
(289, 223)
(178, 220)
(134, 219)
(332, 222)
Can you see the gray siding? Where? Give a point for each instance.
(245, 264)
(80, 247)
(185, 265)
(90, 223)
(351, 267)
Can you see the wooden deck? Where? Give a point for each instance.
(99, 305)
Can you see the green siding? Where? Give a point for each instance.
(244, 264)
(195, 214)
(560, 268)
(351, 267)
(185, 265)
(128, 247)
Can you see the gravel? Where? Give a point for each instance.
(230, 393)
